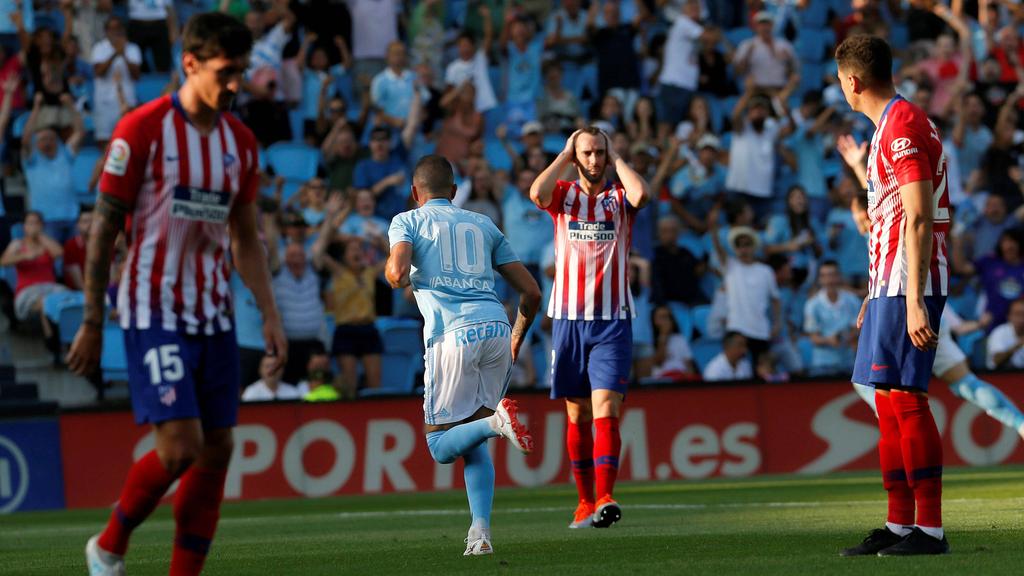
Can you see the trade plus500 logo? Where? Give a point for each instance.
(13, 476)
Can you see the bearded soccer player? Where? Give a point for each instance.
(185, 172)
(908, 280)
(592, 309)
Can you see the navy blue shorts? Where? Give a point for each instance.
(176, 376)
(885, 354)
(590, 355)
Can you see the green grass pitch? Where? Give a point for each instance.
(763, 526)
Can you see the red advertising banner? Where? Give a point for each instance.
(378, 446)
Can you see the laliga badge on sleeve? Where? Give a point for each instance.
(117, 158)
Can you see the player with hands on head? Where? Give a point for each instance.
(591, 307)
(449, 256)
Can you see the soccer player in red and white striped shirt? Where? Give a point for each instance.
(180, 178)
(908, 278)
(592, 309)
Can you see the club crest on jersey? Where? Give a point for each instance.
(602, 231)
(609, 204)
(117, 158)
(200, 205)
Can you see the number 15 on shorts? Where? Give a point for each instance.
(164, 364)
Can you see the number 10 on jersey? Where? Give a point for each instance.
(461, 248)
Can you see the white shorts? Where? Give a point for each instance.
(947, 355)
(466, 368)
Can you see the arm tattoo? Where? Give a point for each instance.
(107, 223)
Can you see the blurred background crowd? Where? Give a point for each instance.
(750, 263)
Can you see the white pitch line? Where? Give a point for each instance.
(83, 527)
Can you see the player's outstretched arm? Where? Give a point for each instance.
(543, 188)
(399, 265)
(917, 206)
(520, 279)
(250, 260)
(107, 221)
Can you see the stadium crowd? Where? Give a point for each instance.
(751, 263)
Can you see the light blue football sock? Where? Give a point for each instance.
(867, 393)
(990, 399)
(479, 475)
(447, 445)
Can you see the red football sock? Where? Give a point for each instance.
(580, 442)
(607, 444)
(922, 455)
(146, 484)
(196, 511)
(894, 476)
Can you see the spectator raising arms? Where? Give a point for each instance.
(33, 257)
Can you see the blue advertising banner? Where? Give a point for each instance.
(31, 473)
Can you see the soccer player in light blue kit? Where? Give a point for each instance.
(449, 256)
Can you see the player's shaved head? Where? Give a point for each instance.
(866, 57)
(434, 177)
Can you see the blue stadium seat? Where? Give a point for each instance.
(496, 156)
(694, 244)
(113, 359)
(704, 350)
(150, 87)
(18, 126)
(966, 304)
(709, 284)
(812, 77)
(54, 302)
(971, 343)
(681, 313)
(815, 15)
(68, 322)
(402, 357)
(296, 121)
(553, 143)
(699, 316)
(17, 231)
(813, 43)
(81, 173)
(294, 161)
(803, 344)
(737, 35)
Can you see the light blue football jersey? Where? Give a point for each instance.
(454, 256)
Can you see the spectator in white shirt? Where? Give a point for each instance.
(680, 71)
(375, 27)
(732, 363)
(153, 26)
(269, 386)
(1006, 342)
(115, 61)
(750, 287)
(756, 137)
(770, 62)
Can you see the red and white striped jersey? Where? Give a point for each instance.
(592, 237)
(906, 148)
(181, 185)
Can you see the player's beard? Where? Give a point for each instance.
(594, 178)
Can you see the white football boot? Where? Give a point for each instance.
(510, 427)
(101, 562)
(478, 543)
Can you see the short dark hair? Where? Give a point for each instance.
(214, 34)
(730, 338)
(867, 57)
(434, 176)
(593, 131)
(829, 262)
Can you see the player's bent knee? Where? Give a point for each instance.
(177, 457)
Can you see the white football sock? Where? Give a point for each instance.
(898, 529)
(936, 533)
